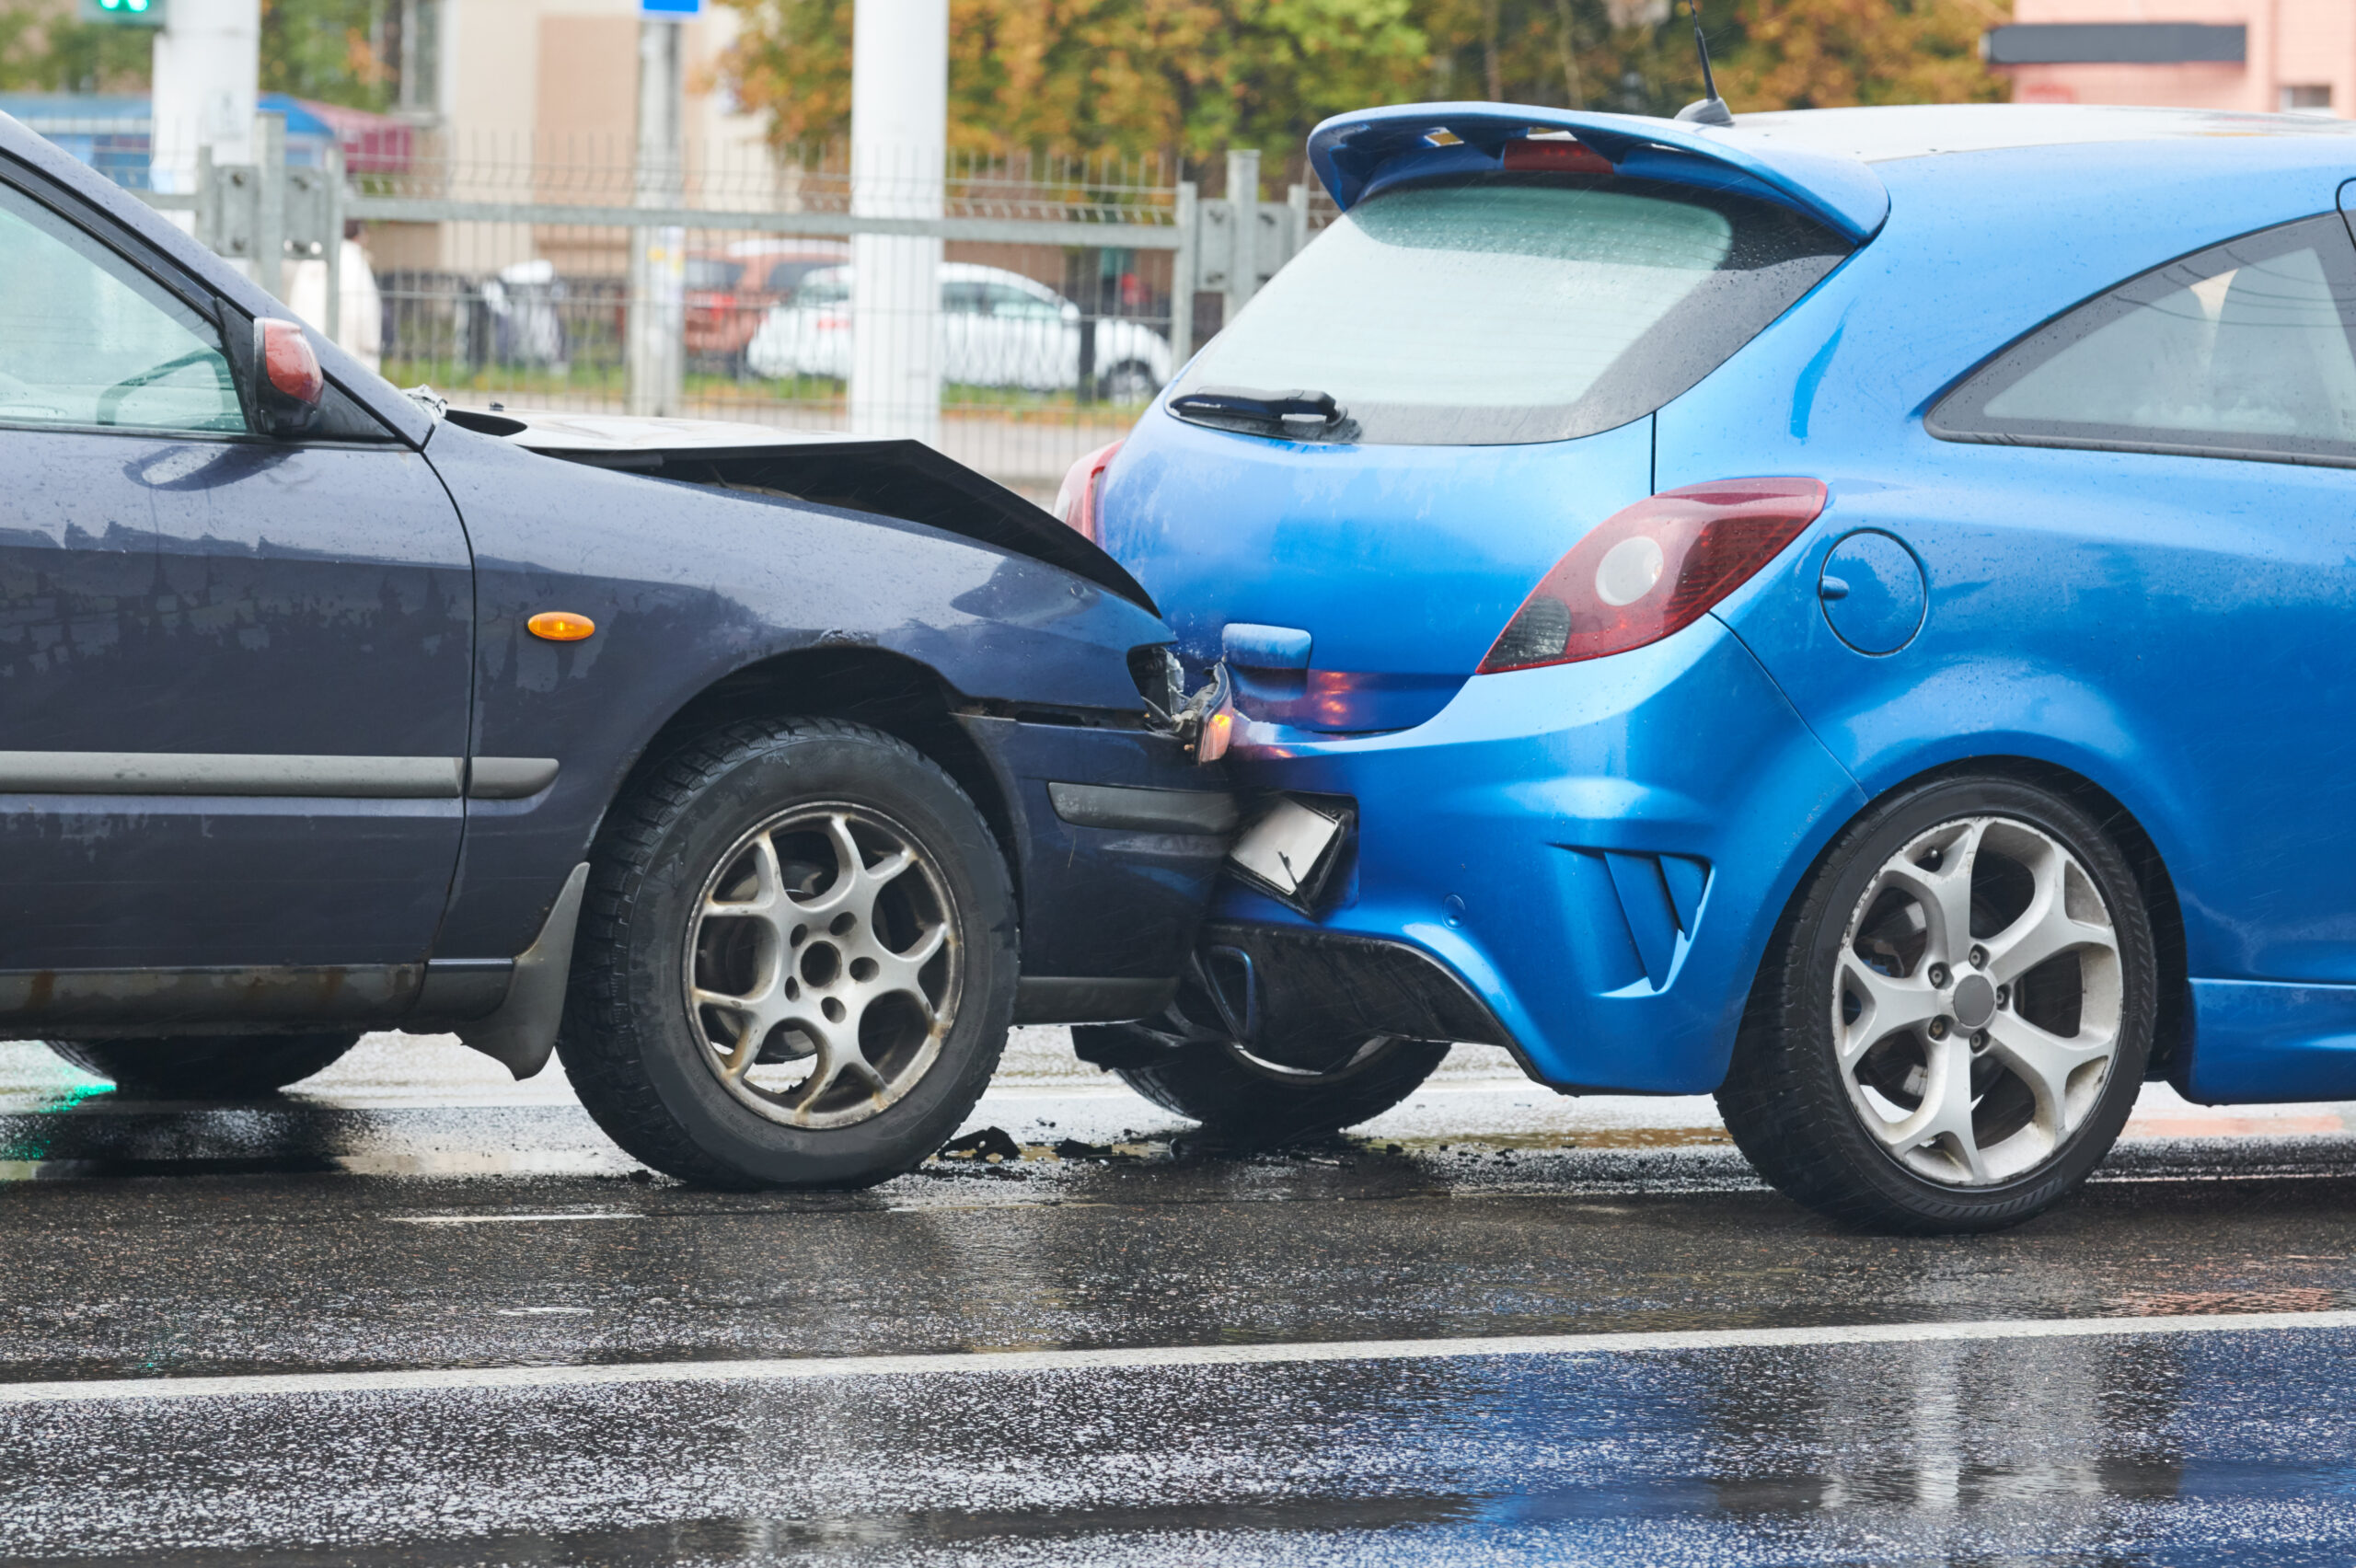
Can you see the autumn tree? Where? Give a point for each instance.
(1186, 78)
(314, 49)
(1827, 53)
(44, 49)
(1182, 78)
(325, 50)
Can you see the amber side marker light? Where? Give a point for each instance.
(560, 626)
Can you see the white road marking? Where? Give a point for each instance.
(1018, 1361)
(501, 1219)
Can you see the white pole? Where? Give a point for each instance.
(656, 366)
(899, 138)
(207, 74)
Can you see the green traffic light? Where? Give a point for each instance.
(123, 13)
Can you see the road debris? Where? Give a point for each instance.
(988, 1145)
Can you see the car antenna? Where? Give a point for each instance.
(1710, 108)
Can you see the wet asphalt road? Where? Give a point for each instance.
(646, 1350)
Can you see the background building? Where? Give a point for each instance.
(2259, 55)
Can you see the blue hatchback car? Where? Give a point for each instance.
(1850, 611)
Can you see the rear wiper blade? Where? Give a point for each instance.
(1299, 414)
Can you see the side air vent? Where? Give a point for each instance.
(1658, 899)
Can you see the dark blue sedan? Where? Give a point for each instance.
(1848, 610)
(769, 781)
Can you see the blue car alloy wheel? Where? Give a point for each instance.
(1780, 610)
(1954, 1020)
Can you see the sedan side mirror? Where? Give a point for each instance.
(289, 386)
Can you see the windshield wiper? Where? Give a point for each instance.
(1297, 415)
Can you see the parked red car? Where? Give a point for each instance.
(730, 290)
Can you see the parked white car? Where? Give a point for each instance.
(998, 328)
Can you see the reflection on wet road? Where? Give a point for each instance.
(407, 1216)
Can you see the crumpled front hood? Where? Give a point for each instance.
(900, 479)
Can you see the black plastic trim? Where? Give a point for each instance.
(1325, 984)
(1145, 811)
(2115, 44)
(1056, 998)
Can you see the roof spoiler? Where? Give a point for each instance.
(1354, 154)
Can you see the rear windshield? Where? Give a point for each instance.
(1518, 308)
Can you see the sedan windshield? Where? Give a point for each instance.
(1518, 308)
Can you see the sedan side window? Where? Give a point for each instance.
(2240, 351)
(1007, 300)
(86, 339)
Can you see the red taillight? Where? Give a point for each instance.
(1553, 155)
(1083, 484)
(288, 362)
(1653, 569)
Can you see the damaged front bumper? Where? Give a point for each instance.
(1116, 835)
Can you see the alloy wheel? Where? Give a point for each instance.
(1977, 1001)
(823, 965)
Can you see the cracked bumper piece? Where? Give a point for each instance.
(1595, 853)
(1114, 873)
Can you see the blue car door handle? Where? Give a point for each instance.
(1831, 588)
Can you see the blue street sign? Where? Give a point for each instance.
(679, 8)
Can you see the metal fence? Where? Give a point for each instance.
(574, 278)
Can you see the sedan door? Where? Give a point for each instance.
(236, 667)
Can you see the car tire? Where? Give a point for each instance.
(825, 1048)
(1900, 1077)
(206, 1066)
(1128, 382)
(1238, 1097)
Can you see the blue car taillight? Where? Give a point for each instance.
(1653, 569)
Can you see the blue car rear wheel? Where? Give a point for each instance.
(1954, 1024)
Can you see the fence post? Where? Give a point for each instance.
(1296, 230)
(270, 225)
(655, 365)
(1182, 276)
(333, 254)
(207, 225)
(1243, 229)
(899, 139)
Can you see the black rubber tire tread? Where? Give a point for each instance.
(1782, 1099)
(1235, 1097)
(206, 1067)
(625, 1043)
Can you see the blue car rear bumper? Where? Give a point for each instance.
(1597, 850)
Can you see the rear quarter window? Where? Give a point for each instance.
(1518, 308)
(2240, 351)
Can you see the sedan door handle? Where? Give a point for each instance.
(1831, 588)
